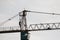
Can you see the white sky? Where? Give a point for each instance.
(8, 8)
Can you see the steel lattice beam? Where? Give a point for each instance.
(33, 27)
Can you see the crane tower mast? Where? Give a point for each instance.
(23, 25)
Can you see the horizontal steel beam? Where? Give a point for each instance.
(13, 31)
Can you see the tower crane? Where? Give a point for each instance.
(32, 27)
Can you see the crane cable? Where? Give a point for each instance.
(42, 12)
(9, 19)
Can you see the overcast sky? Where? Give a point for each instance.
(8, 8)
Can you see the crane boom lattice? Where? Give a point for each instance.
(32, 27)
